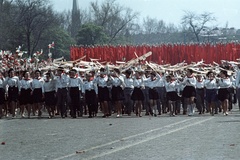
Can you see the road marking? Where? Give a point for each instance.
(126, 138)
(146, 140)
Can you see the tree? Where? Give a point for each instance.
(150, 25)
(161, 27)
(114, 19)
(62, 40)
(33, 25)
(238, 32)
(90, 34)
(33, 17)
(196, 23)
(7, 28)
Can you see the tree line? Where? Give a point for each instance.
(33, 24)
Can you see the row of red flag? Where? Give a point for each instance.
(161, 54)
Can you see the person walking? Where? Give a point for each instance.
(189, 91)
(49, 92)
(75, 85)
(62, 80)
(90, 92)
(12, 84)
(25, 97)
(223, 94)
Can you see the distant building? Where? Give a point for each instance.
(75, 19)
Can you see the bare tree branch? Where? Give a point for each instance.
(196, 23)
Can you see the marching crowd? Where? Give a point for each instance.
(76, 93)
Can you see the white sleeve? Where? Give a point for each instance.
(237, 79)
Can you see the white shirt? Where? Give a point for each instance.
(25, 84)
(160, 81)
(190, 81)
(101, 82)
(224, 83)
(171, 86)
(37, 83)
(146, 81)
(88, 86)
(61, 81)
(237, 82)
(116, 81)
(12, 82)
(210, 84)
(152, 83)
(128, 82)
(138, 82)
(75, 82)
(49, 86)
(200, 84)
(2, 83)
(180, 87)
(233, 80)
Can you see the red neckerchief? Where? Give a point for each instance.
(200, 80)
(103, 76)
(61, 75)
(27, 79)
(91, 78)
(74, 77)
(190, 76)
(154, 78)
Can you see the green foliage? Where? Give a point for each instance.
(33, 25)
(90, 34)
(62, 41)
(9, 34)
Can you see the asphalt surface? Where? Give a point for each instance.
(200, 137)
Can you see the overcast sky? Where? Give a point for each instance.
(171, 11)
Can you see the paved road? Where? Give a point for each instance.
(201, 137)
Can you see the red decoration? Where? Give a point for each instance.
(162, 54)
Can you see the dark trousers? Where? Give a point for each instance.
(200, 100)
(232, 97)
(75, 100)
(82, 104)
(62, 100)
(162, 99)
(238, 97)
(127, 100)
(146, 104)
(91, 101)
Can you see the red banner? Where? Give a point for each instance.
(161, 54)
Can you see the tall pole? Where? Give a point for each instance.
(75, 19)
